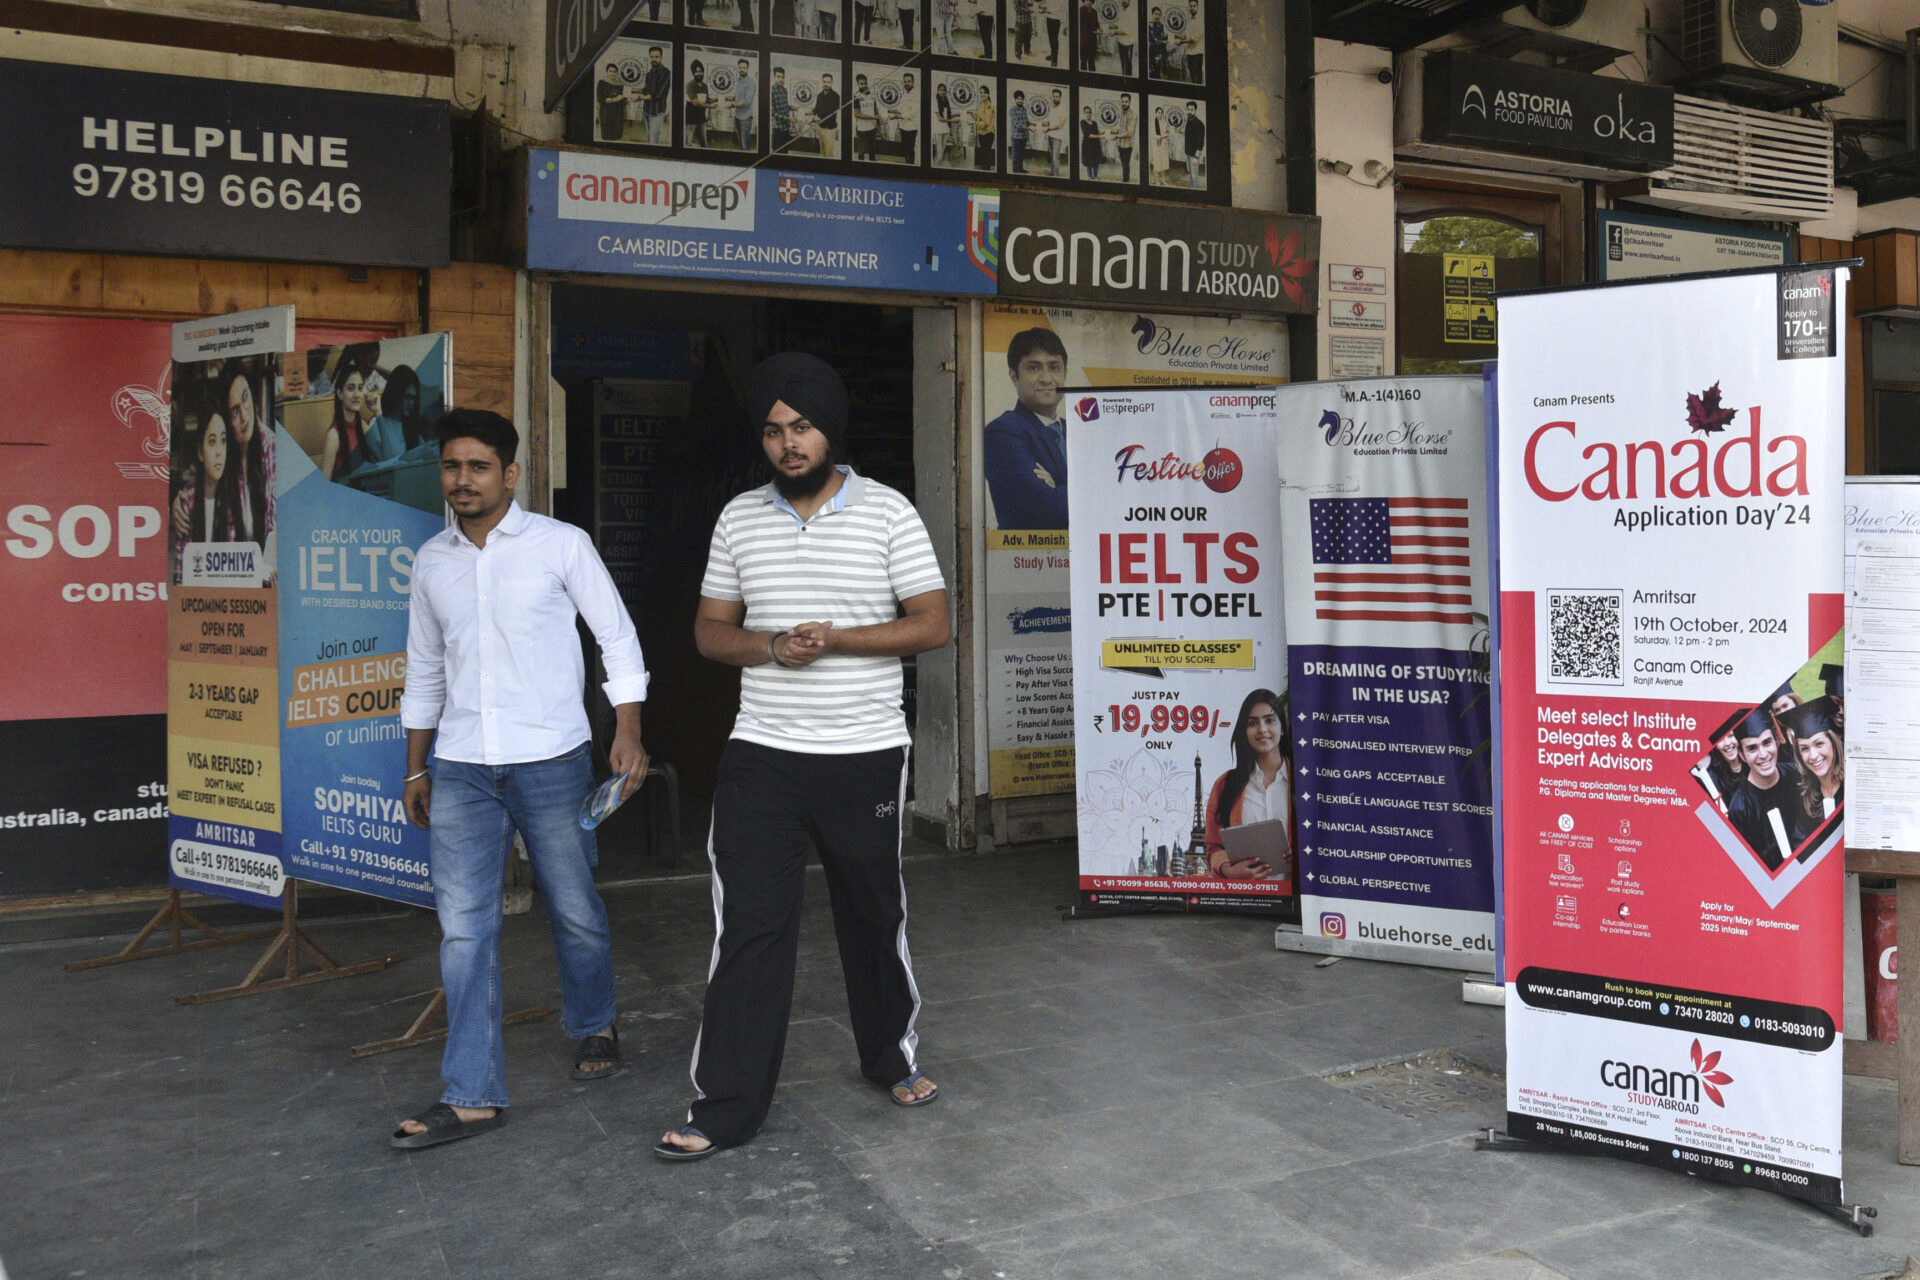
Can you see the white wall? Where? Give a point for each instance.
(1353, 123)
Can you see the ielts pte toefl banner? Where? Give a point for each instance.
(1179, 650)
(1383, 502)
(1671, 489)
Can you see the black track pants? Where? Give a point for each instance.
(768, 805)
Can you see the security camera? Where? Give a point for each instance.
(1384, 75)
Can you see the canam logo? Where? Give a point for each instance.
(1333, 925)
(1676, 1090)
(1087, 410)
(1743, 466)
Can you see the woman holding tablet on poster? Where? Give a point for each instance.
(1258, 788)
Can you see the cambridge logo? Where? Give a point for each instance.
(789, 189)
(1088, 409)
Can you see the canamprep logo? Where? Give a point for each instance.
(595, 188)
(1669, 1090)
(1220, 470)
(1748, 465)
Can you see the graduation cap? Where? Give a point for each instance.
(1832, 675)
(1784, 691)
(1754, 723)
(1809, 717)
(1726, 727)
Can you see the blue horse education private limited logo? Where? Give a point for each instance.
(1331, 421)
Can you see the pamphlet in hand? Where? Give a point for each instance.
(605, 799)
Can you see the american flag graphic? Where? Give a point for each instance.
(1422, 542)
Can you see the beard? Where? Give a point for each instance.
(806, 483)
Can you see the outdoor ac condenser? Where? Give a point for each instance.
(1781, 37)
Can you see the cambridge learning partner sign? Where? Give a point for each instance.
(626, 215)
(1671, 461)
(1383, 498)
(1179, 651)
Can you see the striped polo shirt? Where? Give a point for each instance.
(851, 565)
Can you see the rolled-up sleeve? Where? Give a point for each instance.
(424, 696)
(594, 594)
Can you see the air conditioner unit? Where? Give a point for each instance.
(1582, 35)
(1736, 162)
(1762, 48)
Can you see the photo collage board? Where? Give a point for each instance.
(1090, 95)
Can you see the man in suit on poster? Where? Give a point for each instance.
(1026, 447)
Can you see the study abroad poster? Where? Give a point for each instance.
(223, 733)
(1032, 353)
(360, 492)
(1383, 499)
(1181, 732)
(1672, 750)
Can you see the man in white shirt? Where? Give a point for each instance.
(906, 119)
(817, 584)
(494, 665)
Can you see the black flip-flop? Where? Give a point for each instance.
(667, 1151)
(443, 1124)
(601, 1048)
(911, 1100)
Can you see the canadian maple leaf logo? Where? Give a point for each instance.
(1705, 1066)
(1704, 413)
(1292, 268)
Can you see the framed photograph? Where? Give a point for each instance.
(965, 28)
(1177, 41)
(886, 113)
(800, 91)
(1038, 30)
(1107, 34)
(634, 94)
(1047, 150)
(1107, 136)
(963, 103)
(720, 99)
(723, 15)
(1177, 143)
(888, 24)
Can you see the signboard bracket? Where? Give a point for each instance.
(173, 915)
(415, 1036)
(289, 943)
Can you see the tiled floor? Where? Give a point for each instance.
(1155, 1096)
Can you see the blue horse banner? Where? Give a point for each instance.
(1383, 508)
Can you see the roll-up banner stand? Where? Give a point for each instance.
(359, 492)
(223, 734)
(1671, 469)
(1383, 502)
(1179, 651)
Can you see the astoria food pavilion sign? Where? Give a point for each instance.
(1496, 104)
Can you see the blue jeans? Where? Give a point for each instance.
(475, 810)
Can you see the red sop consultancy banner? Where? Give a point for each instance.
(1672, 746)
(1181, 738)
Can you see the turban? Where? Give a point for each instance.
(806, 384)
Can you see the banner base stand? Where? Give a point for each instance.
(289, 944)
(1114, 910)
(414, 1036)
(1857, 1217)
(1480, 988)
(173, 915)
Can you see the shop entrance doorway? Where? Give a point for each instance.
(657, 443)
(1457, 244)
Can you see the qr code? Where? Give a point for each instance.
(1583, 631)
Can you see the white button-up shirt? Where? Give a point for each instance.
(1263, 800)
(493, 659)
